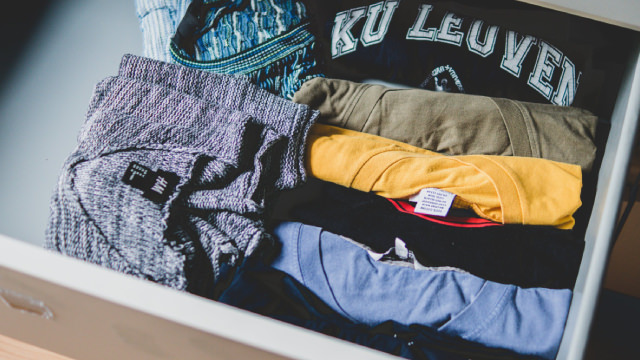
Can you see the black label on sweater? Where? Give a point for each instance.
(157, 186)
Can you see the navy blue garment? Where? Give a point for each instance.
(522, 255)
(445, 46)
(261, 289)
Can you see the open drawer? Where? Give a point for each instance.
(87, 312)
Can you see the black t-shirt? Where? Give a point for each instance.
(501, 49)
(522, 255)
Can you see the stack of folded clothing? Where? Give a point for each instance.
(414, 204)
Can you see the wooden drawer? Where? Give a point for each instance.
(87, 312)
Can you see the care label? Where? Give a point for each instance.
(157, 186)
(432, 201)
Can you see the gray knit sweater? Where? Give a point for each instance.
(171, 172)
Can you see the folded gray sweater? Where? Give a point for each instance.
(172, 187)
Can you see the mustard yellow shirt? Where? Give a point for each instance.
(505, 189)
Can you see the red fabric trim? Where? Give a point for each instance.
(466, 222)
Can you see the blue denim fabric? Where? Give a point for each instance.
(527, 321)
(267, 41)
(224, 164)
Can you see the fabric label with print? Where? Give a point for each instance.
(157, 185)
(432, 201)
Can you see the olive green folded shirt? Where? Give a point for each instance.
(455, 124)
(505, 189)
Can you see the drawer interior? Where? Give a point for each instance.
(599, 233)
(85, 299)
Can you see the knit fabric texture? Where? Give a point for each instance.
(167, 186)
(268, 42)
(234, 92)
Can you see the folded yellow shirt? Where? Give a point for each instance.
(505, 189)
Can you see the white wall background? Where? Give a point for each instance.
(44, 98)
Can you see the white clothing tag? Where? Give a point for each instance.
(401, 249)
(418, 266)
(432, 201)
(417, 197)
(375, 256)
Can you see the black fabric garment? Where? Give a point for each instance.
(472, 48)
(258, 288)
(522, 255)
